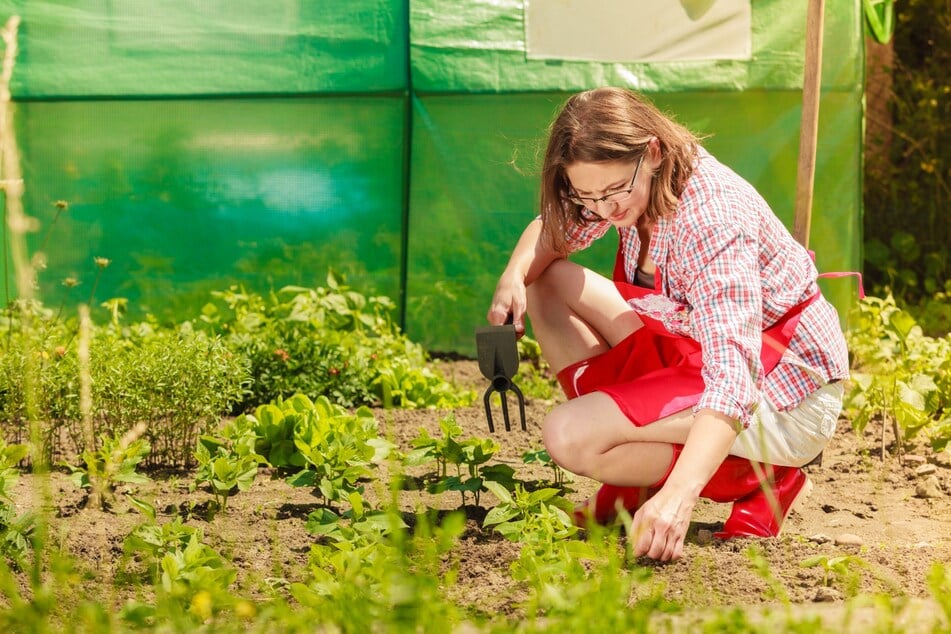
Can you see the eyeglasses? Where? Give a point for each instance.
(590, 205)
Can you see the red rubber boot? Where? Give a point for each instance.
(736, 480)
(733, 479)
(763, 511)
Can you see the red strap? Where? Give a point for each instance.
(776, 338)
(838, 274)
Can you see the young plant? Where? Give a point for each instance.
(15, 531)
(899, 374)
(471, 453)
(228, 462)
(339, 448)
(112, 464)
(541, 456)
(532, 517)
(185, 571)
(844, 569)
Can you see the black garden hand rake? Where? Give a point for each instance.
(498, 360)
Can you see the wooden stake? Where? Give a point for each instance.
(809, 129)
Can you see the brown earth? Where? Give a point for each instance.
(879, 507)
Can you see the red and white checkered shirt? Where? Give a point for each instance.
(729, 270)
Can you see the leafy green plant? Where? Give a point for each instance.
(16, 531)
(394, 577)
(178, 380)
(187, 573)
(541, 456)
(330, 341)
(358, 525)
(113, 463)
(529, 516)
(339, 448)
(228, 461)
(471, 454)
(898, 373)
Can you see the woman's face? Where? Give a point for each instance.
(617, 192)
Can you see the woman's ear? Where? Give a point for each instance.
(653, 148)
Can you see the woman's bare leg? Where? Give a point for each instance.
(577, 314)
(590, 436)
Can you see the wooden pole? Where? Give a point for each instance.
(809, 129)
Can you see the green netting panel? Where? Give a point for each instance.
(186, 197)
(202, 47)
(474, 187)
(481, 47)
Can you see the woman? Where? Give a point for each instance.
(710, 366)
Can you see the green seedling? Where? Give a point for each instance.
(228, 463)
(843, 569)
(533, 517)
(472, 454)
(542, 457)
(112, 464)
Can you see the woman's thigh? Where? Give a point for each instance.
(577, 432)
(577, 314)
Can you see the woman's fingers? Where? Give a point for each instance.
(658, 531)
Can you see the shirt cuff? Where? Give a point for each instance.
(726, 405)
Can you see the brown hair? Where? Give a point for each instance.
(604, 125)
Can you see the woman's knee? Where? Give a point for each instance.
(548, 289)
(564, 443)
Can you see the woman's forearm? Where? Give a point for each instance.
(530, 256)
(708, 443)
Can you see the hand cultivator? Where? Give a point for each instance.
(498, 360)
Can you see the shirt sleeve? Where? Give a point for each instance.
(581, 236)
(726, 317)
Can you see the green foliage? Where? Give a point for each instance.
(332, 342)
(188, 575)
(448, 449)
(534, 376)
(541, 456)
(16, 532)
(536, 516)
(939, 583)
(113, 463)
(392, 577)
(844, 570)
(228, 461)
(898, 372)
(338, 448)
(177, 380)
(907, 160)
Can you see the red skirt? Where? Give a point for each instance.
(654, 373)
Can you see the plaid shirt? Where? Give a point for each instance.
(729, 270)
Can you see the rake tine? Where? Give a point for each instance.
(521, 404)
(505, 409)
(488, 409)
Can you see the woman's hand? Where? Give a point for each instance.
(509, 303)
(660, 525)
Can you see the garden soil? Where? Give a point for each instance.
(892, 514)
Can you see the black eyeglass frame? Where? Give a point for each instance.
(615, 197)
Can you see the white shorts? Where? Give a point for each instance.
(792, 438)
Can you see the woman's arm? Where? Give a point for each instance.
(529, 258)
(660, 525)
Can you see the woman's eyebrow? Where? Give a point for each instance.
(610, 188)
